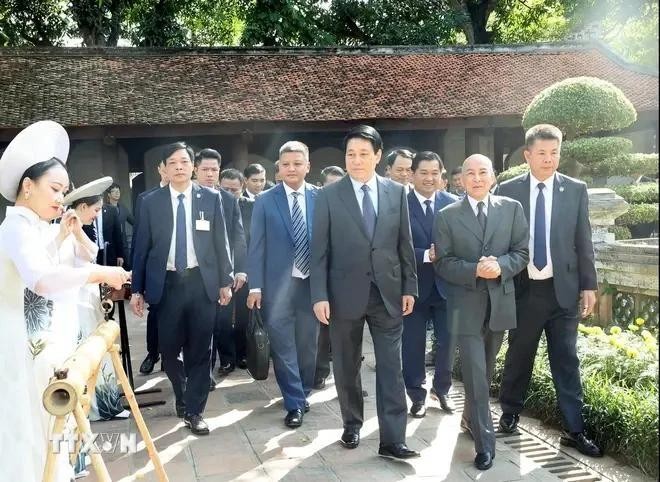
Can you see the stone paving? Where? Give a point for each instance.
(249, 442)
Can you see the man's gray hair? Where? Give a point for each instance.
(295, 146)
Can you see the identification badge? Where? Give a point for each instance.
(202, 224)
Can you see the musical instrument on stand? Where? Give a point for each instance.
(72, 387)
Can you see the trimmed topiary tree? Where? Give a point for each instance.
(581, 105)
(642, 217)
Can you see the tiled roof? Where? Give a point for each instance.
(127, 86)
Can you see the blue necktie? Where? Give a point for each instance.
(481, 216)
(301, 244)
(540, 255)
(180, 247)
(368, 212)
(429, 210)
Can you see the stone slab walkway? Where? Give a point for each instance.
(249, 442)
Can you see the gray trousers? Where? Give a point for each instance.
(478, 353)
(346, 341)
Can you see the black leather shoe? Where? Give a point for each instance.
(319, 384)
(242, 363)
(180, 409)
(444, 401)
(225, 370)
(196, 424)
(581, 443)
(509, 422)
(418, 410)
(147, 365)
(294, 418)
(350, 439)
(212, 383)
(484, 461)
(306, 406)
(397, 452)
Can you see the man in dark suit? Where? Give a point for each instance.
(481, 244)
(424, 201)
(363, 268)
(561, 270)
(232, 181)
(153, 355)
(255, 180)
(113, 195)
(278, 270)
(182, 263)
(207, 172)
(105, 231)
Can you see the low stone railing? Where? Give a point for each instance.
(627, 270)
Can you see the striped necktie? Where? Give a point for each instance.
(301, 244)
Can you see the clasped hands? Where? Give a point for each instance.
(488, 268)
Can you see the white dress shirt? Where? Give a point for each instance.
(249, 195)
(422, 201)
(473, 204)
(98, 225)
(190, 248)
(295, 272)
(532, 271)
(373, 191)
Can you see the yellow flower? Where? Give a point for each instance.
(615, 330)
(614, 341)
(639, 321)
(632, 353)
(646, 334)
(633, 328)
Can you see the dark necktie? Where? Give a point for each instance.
(481, 216)
(540, 254)
(180, 247)
(429, 210)
(301, 244)
(368, 212)
(95, 234)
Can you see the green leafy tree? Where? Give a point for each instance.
(98, 22)
(33, 22)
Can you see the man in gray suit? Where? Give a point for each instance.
(481, 244)
(363, 268)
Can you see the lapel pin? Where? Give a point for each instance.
(199, 195)
(561, 188)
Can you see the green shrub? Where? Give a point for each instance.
(591, 150)
(620, 381)
(581, 105)
(620, 232)
(633, 165)
(512, 172)
(639, 214)
(638, 193)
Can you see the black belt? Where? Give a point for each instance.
(542, 282)
(186, 273)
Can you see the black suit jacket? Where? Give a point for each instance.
(345, 260)
(112, 235)
(155, 227)
(246, 206)
(571, 247)
(235, 230)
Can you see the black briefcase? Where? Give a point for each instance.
(257, 346)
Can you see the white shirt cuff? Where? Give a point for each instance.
(427, 256)
(255, 290)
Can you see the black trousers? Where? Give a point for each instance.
(323, 353)
(186, 318)
(152, 331)
(538, 311)
(223, 335)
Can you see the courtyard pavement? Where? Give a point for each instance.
(249, 442)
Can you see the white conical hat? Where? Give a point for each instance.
(36, 143)
(92, 188)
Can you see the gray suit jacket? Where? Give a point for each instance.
(571, 247)
(460, 242)
(345, 261)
